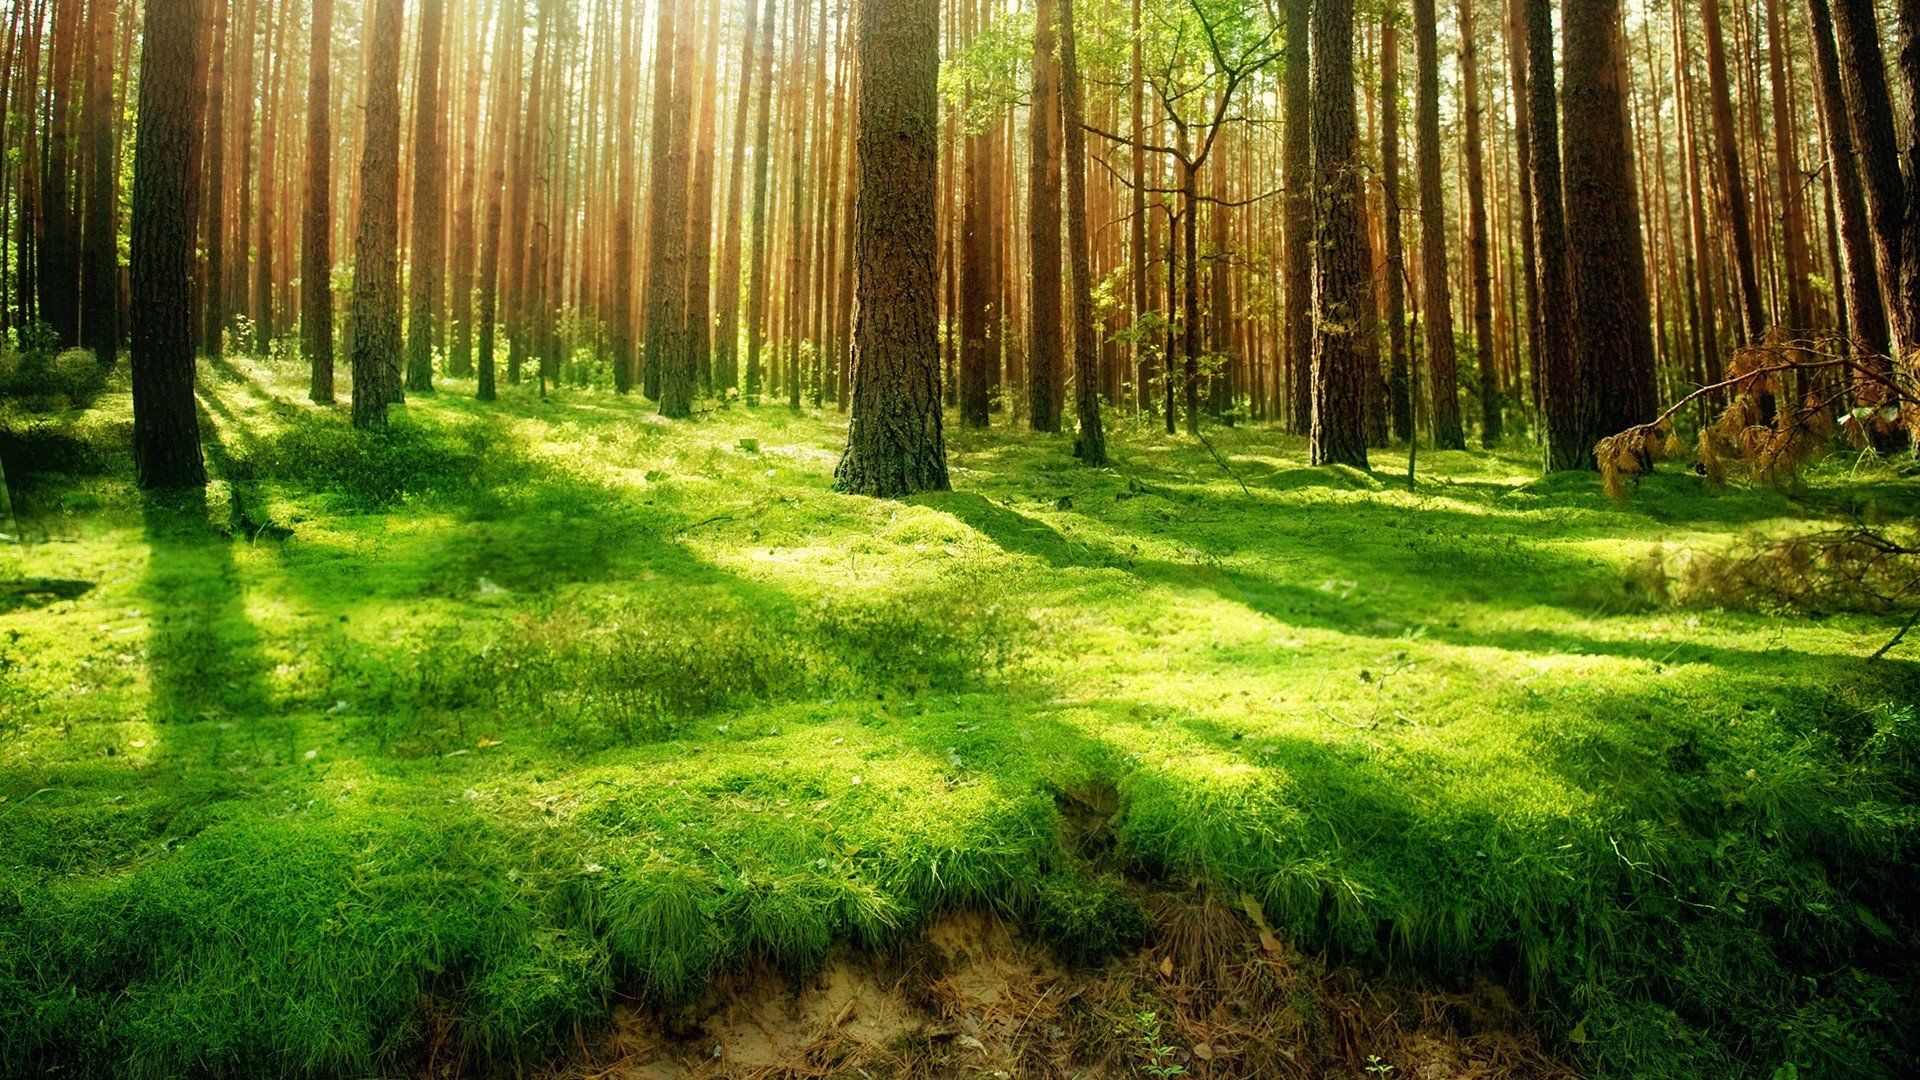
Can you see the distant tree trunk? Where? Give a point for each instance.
(1298, 226)
(214, 303)
(1907, 23)
(1523, 160)
(1342, 302)
(1733, 189)
(699, 343)
(1612, 315)
(506, 77)
(1478, 253)
(1399, 374)
(1043, 228)
(1876, 138)
(465, 226)
(976, 275)
(100, 234)
(1137, 227)
(376, 284)
(58, 244)
(1793, 213)
(1866, 309)
(1091, 444)
(166, 425)
(670, 367)
(1437, 298)
(894, 444)
(1570, 439)
(762, 182)
(726, 357)
(273, 60)
(316, 239)
(426, 252)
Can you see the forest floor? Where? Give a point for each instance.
(434, 751)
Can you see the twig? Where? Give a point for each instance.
(1223, 463)
(1912, 620)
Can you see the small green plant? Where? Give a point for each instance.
(1156, 1057)
(1377, 1067)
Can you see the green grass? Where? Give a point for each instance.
(526, 703)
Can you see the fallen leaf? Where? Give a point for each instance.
(1166, 968)
(1259, 918)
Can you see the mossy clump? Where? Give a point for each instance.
(1087, 919)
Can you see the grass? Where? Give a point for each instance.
(527, 705)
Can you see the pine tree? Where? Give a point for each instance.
(376, 279)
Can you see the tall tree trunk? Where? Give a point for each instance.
(894, 443)
(316, 238)
(762, 182)
(726, 358)
(1478, 251)
(1860, 278)
(1342, 303)
(1298, 223)
(1523, 159)
(1793, 213)
(1437, 297)
(1043, 228)
(1399, 373)
(700, 226)
(58, 244)
(465, 224)
(1091, 443)
(274, 60)
(426, 253)
(1563, 399)
(669, 368)
(1137, 225)
(166, 424)
(1606, 258)
(100, 235)
(214, 303)
(505, 114)
(1733, 187)
(376, 284)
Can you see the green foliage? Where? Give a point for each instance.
(472, 725)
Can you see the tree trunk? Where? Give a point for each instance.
(1733, 186)
(505, 114)
(1342, 303)
(1612, 317)
(1478, 252)
(726, 357)
(1137, 226)
(669, 367)
(426, 253)
(1043, 229)
(100, 234)
(1436, 294)
(58, 244)
(762, 182)
(214, 303)
(1569, 432)
(316, 241)
(894, 444)
(1298, 222)
(1399, 374)
(1523, 160)
(376, 285)
(700, 228)
(166, 424)
(1091, 444)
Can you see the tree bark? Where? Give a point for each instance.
(1296, 157)
(1342, 302)
(316, 255)
(1399, 373)
(376, 285)
(166, 425)
(1606, 260)
(1733, 187)
(427, 251)
(1043, 229)
(100, 232)
(1090, 446)
(1478, 250)
(1436, 293)
(895, 446)
(1564, 401)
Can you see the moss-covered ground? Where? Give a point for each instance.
(523, 704)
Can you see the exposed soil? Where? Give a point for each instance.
(1213, 995)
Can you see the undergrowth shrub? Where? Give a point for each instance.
(46, 378)
(376, 470)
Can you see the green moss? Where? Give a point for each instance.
(521, 704)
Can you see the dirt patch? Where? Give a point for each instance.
(1213, 995)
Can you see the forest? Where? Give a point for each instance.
(579, 539)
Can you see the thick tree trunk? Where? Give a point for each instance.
(1436, 293)
(726, 355)
(316, 238)
(669, 367)
(1296, 157)
(1564, 400)
(1606, 261)
(166, 425)
(894, 444)
(1866, 309)
(1342, 302)
(376, 284)
(426, 253)
(1043, 229)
